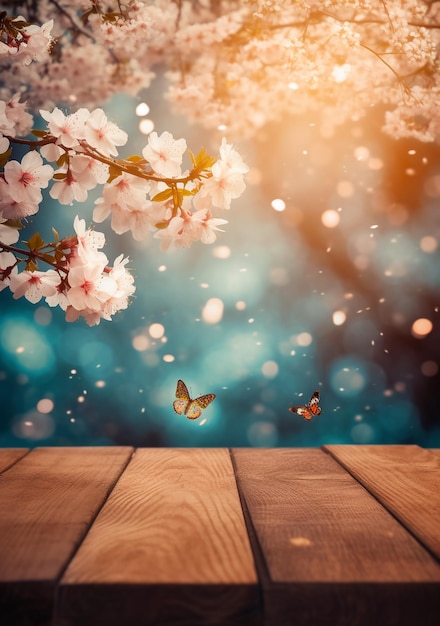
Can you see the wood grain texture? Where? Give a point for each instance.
(48, 500)
(170, 546)
(406, 480)
(9, 456)
(327, 552)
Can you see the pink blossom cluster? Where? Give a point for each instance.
(26, 42)
(337, 58)
(128, 200)
(143, 194)
(83, 284)
(83, 145)
(242, 65)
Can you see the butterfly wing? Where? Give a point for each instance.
(304, 411)
(181, 404)
(195, 407)
(182, 391)
(313, 405)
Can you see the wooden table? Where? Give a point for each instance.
(339, 535)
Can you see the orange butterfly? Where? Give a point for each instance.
(311, 409)
(191, 408)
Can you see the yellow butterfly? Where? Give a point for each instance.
(191, 408)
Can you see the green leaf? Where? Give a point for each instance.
(35, 242)
(166, 194)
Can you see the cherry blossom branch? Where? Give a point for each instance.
(76, 26)
(390, 67)
(361, 21)
(31, 256)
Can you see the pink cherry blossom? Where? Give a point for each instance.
(165, 154)
(68, 129)
(8, 234)
(26, 179)
(124, 287)
(89, 242)
(6, 124)
(16, 113)
(68, 189)
(232, 158)
(102, 134)
(225, 185)
(59, 298)
(171, 236)
(10, 208)
(36, 43)
(34, 285)
(89, 288)
(88, 172)
(208, 225)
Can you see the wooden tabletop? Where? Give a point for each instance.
(115, 536)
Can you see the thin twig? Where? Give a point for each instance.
(72, 21)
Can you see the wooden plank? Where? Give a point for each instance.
(405, 479)
(169, 547)
(9, 456)
(327, 552)
(47, 502)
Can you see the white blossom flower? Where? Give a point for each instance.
(10, 208)
(224, 185)
(124, 287)
(89, 243)
(26, 179)
(34, 285)
(232, 158)
(6, 125)
(89, 287)
(88, 172)
(68, 189)
(208, 225)
(16, 113)
(59, 298)
(8, 234)
(68, 129)
(36, 42)
(171, 236)
(102, 134)
(164, 154)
